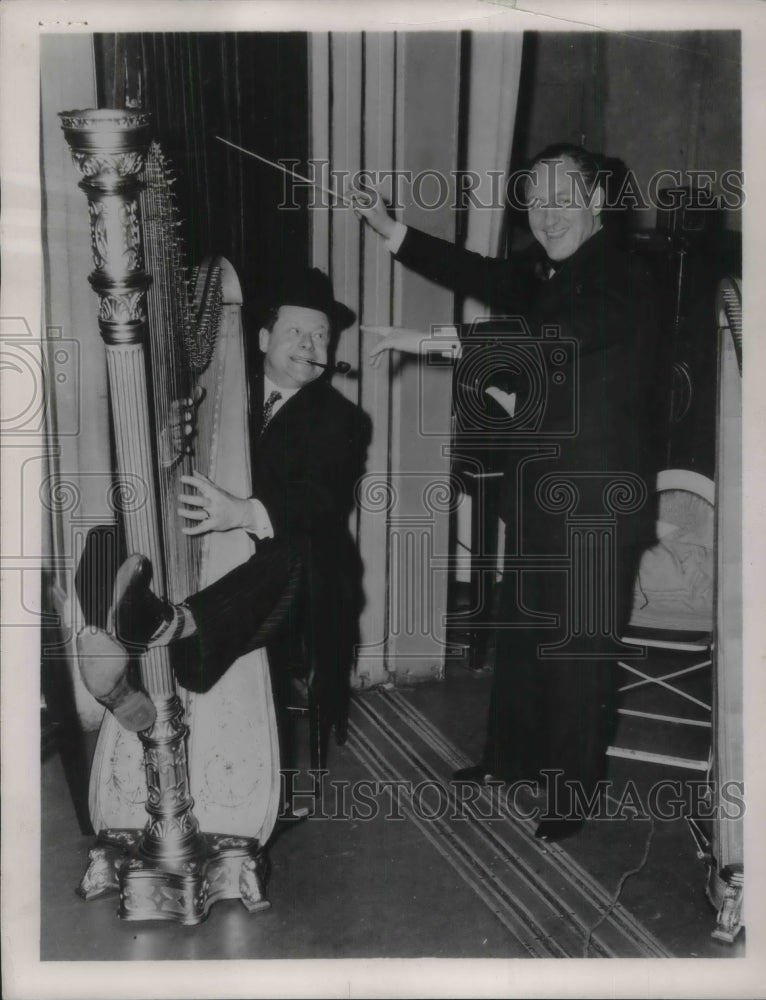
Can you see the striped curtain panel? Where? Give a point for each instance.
(415, 101)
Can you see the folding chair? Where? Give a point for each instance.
(673, 611)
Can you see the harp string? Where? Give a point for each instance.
(184, 313)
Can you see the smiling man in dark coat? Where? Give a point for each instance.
(580, 446)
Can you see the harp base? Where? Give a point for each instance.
(226, 867)
(726, 892)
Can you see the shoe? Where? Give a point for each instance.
(104, 670)
(476, 772)
(136, 613)
(552, 830)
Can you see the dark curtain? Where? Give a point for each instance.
(250, 88)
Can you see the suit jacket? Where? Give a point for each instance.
(305, 467)
(602, 408)
(307, 579)
(306, 463)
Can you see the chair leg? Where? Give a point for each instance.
(646, 679)
(317, 742)
(341, 727)
(324, 717)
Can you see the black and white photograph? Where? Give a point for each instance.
(381, 519)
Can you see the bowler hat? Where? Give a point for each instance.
(312, 289)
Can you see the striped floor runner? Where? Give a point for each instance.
(549, 904)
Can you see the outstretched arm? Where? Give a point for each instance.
(370, 207)
(495, 281)
(399, 338)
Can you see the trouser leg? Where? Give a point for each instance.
(549, 714)
(580, 705)
(517, 723)
(329, 617)
(244, 610)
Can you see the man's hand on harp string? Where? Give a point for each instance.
(212, 508)
(176, 439)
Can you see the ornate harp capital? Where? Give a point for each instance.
(109, 149)
(108, 145)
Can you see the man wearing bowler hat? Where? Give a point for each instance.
(308, 443)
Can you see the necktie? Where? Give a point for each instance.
(268, 408)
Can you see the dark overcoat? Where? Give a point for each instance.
(305, 466)
(580, 345)
(599, 407)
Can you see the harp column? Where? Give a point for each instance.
(109, 149)
(168, 871)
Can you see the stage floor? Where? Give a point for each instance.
(422, 876)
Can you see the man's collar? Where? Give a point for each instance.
(269, 387)
(592, 246)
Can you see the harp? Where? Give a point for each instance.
(725, 885)
(207, 773)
